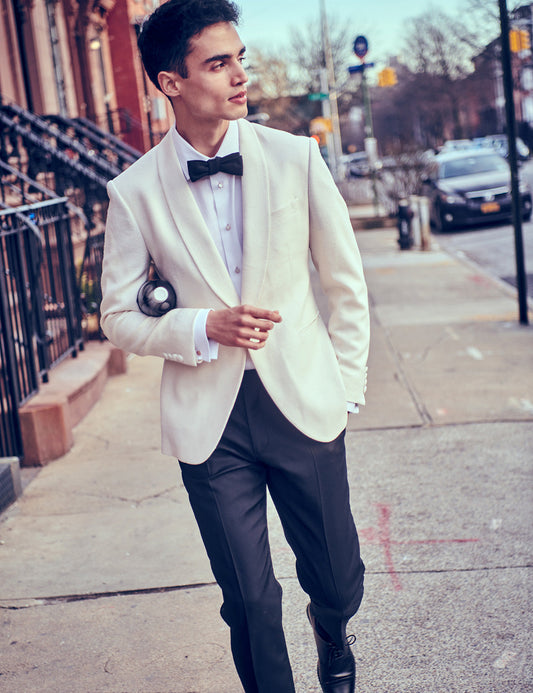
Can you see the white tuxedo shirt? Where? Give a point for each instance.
(290, 206)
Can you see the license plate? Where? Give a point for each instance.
(488, 207)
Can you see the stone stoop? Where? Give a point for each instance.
(75, 385)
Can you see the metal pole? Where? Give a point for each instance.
(327, 83)
(521, 279)
(369, 133)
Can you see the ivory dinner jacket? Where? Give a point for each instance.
(291, 206)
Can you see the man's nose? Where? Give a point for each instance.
(240, 76)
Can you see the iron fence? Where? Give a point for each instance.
(40, 315)
(10, 433)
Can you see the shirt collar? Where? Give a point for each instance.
(186, 152)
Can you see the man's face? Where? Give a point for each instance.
(215, 89)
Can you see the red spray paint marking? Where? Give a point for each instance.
(382, 537)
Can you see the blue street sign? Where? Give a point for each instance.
(359, 68)
(360, 46)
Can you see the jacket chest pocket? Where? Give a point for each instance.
(288, 229)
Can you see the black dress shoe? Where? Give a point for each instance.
(336, 666)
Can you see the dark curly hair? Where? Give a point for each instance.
(164, 37)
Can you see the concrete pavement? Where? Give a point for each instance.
(104, 586)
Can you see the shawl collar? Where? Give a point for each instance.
(256, 213)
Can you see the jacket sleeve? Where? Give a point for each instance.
(336, 257)
(125, 268)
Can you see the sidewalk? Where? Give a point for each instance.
(104, 586)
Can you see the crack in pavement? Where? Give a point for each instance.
(106, 496)
(33, 602)
(402, 376)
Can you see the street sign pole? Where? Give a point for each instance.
(369, 134)
(360, 48)
(521, 278)
(330, 106)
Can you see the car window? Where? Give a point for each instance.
(469, 165)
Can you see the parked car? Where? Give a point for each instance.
(467, 187)
(454, 145)
(357, 165)
(500, 144)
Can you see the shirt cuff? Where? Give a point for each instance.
(206, 349)
(352, 408)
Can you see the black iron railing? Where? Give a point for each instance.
(42, 315)
(10, 432)
(60, 141)
(99, 143)
(53, 177)
(58, 162)
(111, 140)
(46, 156)
(16, 188)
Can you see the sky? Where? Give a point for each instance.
(267, 23)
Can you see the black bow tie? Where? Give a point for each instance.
(231, 164)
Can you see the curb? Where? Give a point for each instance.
(504, 286)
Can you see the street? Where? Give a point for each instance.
(493, 246)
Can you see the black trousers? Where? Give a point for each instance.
(308, 484)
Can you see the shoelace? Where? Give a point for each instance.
(335, 652)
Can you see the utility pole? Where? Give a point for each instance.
(360, 48)
(329, 106)
(521, 278)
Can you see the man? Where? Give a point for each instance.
(254, 387)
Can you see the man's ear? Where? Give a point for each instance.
(169, 83)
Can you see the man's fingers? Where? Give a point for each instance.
(254, 344)
(262, 325)
(260, 313)
(241, 326)
(254, 335)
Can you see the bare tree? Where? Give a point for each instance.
(436, 46)
(280, 80)
(306, 52)
(270, 75)
(294, 69)
(439, 51)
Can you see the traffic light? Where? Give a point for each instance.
(387, 77)
(519, 40)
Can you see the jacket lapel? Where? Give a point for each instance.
(256, 213)
(190, 223)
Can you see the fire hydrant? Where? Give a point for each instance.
(405, 231)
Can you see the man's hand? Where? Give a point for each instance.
(241, 326)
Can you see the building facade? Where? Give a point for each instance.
(79, 59)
